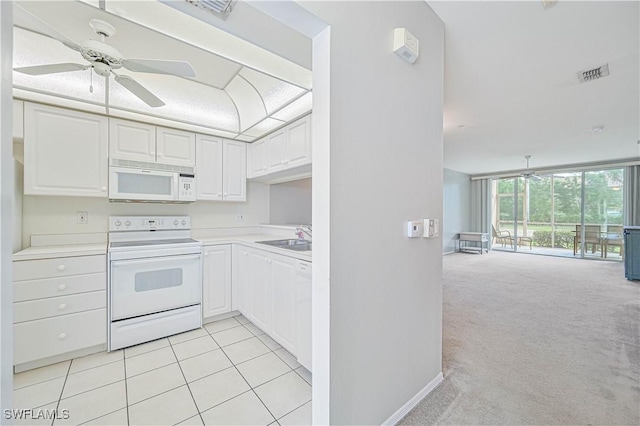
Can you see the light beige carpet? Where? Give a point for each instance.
(536, 340)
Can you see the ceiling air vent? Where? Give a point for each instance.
(593, 74)
(219, 8)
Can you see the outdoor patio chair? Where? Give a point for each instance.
(591, 236)
(613, 237)
(503, 237)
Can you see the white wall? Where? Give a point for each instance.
(291, 203)
(6, 208)
(457, 208)
(57, 215)
(385, 168)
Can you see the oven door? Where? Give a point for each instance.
(150, 285)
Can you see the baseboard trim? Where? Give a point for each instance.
(448, 252)
(404, 410)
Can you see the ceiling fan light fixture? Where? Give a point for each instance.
(219, 8)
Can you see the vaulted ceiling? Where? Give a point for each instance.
(228, 97)
(511, 85)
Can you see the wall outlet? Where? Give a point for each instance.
(83, 217)
(239, 217)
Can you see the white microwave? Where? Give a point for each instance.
(135, 181)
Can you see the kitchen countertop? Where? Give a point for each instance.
(247, 237)
(66, 250)
(251, 240)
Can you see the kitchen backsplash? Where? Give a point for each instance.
(58, 215)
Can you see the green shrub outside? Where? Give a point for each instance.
(563, 239)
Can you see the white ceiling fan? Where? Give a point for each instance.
(103, 58)
(528, 173)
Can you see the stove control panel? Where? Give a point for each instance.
(148, 223)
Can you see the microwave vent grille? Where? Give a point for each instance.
(150, 166)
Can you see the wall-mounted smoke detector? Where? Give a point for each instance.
(594, 73)
(219, 8)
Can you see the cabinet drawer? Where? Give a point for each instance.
(61, 286)
(44, 338)
(58, 267)
(56, 306)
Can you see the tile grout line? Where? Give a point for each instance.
(251, 389)
(187, 383)
(62, 390)
(126, 388)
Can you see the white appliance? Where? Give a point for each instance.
(155, 279)
(137, 181)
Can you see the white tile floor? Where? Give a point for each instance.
(227, 373)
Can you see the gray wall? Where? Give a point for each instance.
(290, 203)
(457, 208)
(386, 151)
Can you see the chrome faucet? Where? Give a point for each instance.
(302, 230)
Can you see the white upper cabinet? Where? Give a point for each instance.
(298, 148)
(276, 144)
(279, 157)
(257, 158)
(221, 172)
(176, 147)
(130, 140)
(66, 152)
(208, 168)
(234, 179)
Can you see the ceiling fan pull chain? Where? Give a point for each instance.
(91, 83)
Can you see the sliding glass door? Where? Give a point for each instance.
(576, 214)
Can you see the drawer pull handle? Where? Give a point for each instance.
(62, 336)
(62, 286)
(62, 306)
(61, 268)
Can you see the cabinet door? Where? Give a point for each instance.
(303, 314)
(242, 282)
(208, 168)
(298, 152)
(259, 266)
(175, 147)
(282, 279)
(276, 144)
(65, 152)
(129, 140)
(234, 179)
(216, 276)
(257, 159)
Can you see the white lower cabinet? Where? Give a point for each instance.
(216, 276)
(59, 308)
(274, 293)
(283, 294)
(303, 313)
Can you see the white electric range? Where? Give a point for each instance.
(155, 279)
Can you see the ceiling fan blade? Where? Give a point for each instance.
(157, 66)
(25, 19)
(51, 68)
(137, 89)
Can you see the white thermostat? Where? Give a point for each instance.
(405, 45)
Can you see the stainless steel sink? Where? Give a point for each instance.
(293, 244)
